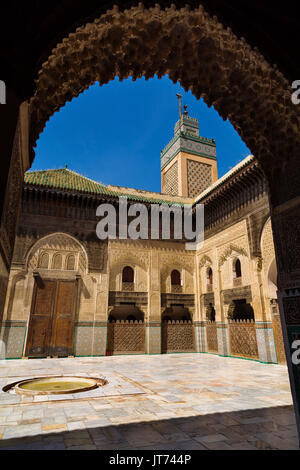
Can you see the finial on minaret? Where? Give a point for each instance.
(179, 98)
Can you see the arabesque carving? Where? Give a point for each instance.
(225, 71)
(228, 252)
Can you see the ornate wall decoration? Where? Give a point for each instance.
(171, 184)
(129, 257)
(212, 337)
(97, 254)
(267, 244)
(255, 227)
(229, 295)
(100, 50)
(12, 203)
(243, 342)
(286, 227)
(199, 177)
(291, 307)
(187, 300)
(126, 337)
(229, 251)
(140, 299)
(205, 260)
(58, 247)
(278, 336)
(178, 337)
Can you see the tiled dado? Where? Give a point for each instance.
(12, 339)
(153, 338)
(223, 338)
(200, 336)
(90, 339)
(266, 342)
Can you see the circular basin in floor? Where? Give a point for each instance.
(56, 385)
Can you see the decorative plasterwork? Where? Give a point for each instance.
(119, 258)
(57, 244)
(229, 251)
(225, 71)
(205, 260)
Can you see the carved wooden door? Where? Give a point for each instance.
(62, 319)
(41, 317)
(51, 323)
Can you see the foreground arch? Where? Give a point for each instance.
(205, 57)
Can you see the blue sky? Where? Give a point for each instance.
(114, 134)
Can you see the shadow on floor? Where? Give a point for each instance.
(258, 429)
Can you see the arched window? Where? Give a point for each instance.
(209, 276)
(57, 261)
(70, 266)
(44, 261)
(175, 278)
(238, 269)
(128, 275)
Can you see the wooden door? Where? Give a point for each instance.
(62, 322)
(41, 317)
(51, 322)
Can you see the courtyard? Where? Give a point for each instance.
(167, 402)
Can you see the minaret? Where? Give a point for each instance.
(188, 162)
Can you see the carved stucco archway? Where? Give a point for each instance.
(192, 48)
(230, 251)
(196, 50)
(58, 243)
(137, 263)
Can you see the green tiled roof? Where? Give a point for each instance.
(64, 179)
(72, 181)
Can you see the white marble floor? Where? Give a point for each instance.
(176, 401)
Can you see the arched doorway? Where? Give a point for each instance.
(55, 264)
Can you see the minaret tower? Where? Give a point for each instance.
(188, 162)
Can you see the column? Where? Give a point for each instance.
(153, 324)
(221, 318)
(199, 319)
(263, 321)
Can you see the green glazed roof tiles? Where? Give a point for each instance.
(72, 181)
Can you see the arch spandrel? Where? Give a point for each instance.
(230, 251)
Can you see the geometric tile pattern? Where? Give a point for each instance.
(13, 339)
(223, 339)
(83, 341)
(153, 338)
(199, 177)
(266, 343)
(171, 180)
(100, 340)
